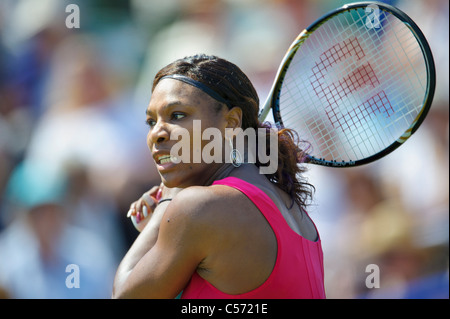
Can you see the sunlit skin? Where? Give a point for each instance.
(213, 230)
(174, 106)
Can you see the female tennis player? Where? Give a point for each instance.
(219, 229)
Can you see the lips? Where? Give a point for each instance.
(164, 161)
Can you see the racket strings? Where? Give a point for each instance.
(354, 99)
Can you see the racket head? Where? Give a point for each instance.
(354, 85)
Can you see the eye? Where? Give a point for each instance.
(150, 122)
(178, 115)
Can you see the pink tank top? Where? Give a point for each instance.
(298, 271)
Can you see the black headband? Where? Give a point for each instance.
(198, 85)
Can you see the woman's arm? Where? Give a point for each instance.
(144, 242)
(167, 252)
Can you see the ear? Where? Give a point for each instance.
(234, 117)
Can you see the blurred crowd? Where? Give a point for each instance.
(73, 152)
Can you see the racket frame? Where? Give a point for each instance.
(273, 100)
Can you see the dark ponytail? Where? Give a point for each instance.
(226, 79)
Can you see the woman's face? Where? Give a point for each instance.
(173, 107)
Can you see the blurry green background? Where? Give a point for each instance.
(73, 152)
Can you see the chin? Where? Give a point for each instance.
(173, 179)
(186, 176)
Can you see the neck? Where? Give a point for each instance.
(222, 172)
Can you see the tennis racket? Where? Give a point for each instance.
(356, 84)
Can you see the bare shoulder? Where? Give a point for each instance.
(204, 219)
(203, 203)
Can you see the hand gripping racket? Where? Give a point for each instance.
(356, 84)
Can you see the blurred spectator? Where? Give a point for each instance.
(40, 243)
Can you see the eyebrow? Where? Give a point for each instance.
(168, 105)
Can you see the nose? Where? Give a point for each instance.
(158, 134)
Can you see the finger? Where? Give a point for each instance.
(159, 194)
(145, 211)
(153, 190)
(138, 207)
(149, 200)
(132, 210)
(138, 217)
(143, 206)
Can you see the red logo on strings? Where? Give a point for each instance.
(361, 77)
